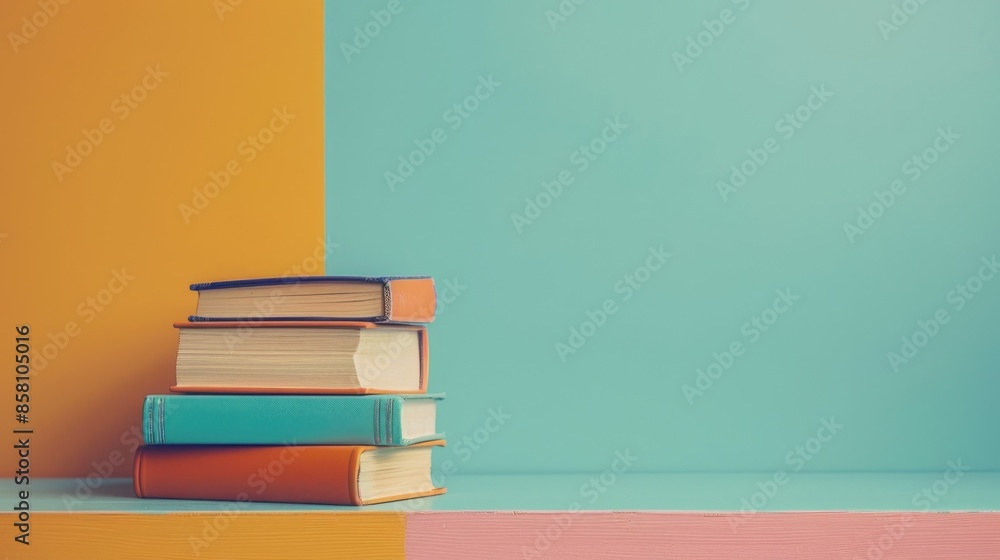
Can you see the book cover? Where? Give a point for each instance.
(278, 419)
(308, 474)
(244, 329)
(406, 299)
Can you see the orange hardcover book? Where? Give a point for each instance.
(301, 357)
(308, 474)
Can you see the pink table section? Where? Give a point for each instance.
(697, 536)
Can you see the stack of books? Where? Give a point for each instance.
(305, 389)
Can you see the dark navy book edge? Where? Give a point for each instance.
(283, 280)
(200, 319)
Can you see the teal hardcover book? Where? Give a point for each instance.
(387, 420)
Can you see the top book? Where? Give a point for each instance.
(403, 299)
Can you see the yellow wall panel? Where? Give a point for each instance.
(146, 145)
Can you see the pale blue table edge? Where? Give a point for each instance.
(882, 492)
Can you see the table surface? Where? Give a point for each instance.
(934, 492)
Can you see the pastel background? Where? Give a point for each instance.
(727, 236)
(124, 227)
(872, 87)
(349, 88)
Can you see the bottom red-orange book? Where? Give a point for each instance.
(308, 474)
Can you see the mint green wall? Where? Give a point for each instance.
(869, 99)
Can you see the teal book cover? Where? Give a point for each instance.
(383, 420)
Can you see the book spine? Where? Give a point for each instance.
(309, 474)
(410, 300)
(388, 423)
(153, 419)
(272, 420)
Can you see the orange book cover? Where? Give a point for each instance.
(309, 474)
(136, 161)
